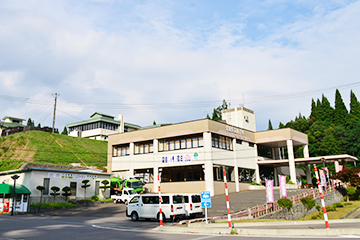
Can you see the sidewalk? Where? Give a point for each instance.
(286, 228)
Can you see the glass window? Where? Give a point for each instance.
(161, 145)
(177, 144)
(46, 186)
(201, 141)
(171, 145)
(195, 142)
(183, 143)
(188, 143)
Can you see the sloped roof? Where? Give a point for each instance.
(10, 125)
(13, 118)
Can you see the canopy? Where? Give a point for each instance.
(8, 189)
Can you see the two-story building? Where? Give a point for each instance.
(9, 123)
(191, 156)
(100, 126)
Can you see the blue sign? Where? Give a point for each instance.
(205, 199)
(205, 204)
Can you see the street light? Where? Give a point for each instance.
(14, 177)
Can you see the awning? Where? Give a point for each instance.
(9, 189)
(310, 160)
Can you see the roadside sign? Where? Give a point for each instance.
(205, 204)
(205, 199)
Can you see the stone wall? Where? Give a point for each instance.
(297, 210)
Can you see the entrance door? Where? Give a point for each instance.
(73, 190)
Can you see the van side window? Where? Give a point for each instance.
(146, 200)
(186, 198)
(196, 198)
(134, 200)
(178, 199)
(165, 200)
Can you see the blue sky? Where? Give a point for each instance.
(174, 61)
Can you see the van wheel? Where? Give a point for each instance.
(134, 216)
(115, 201)
(163, 217)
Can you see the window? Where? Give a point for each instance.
(184, 142)
(183, 173)
(121, 150)
(144, 147)
(238, 141)
(221, 142)
(251, 144)
(46, 186)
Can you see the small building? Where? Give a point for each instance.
(9, 123)
(100, 126)
(34, 174)
(21, 198)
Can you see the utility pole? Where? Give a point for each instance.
(53, 128)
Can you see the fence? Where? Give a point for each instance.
(260, 210)
(11, 131)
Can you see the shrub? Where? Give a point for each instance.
(286, 204)
(318, 207)
(290, 182)
(330, 208)
(256, 184)
(308, 203)
(95, 198)
(338, 204)
(314, 217)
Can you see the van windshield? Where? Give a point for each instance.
(132, 192)
(137, 184)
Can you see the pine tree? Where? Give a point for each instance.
(30, 123)
(312, 116)
(270, 127)
(340, 113)
(327, 111)
(354, 106)
(65, 131)
(318, 111)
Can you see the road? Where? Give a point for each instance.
(64, 227)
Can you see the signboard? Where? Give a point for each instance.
(72, 176)
(205, 199)
(282, 180)
(270, 191)
(187, 157)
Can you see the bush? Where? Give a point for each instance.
(51, 204)
(338, 204)
(330, 208)
(314, 217)
(256, 184)
(290, 182)
(95, 198)
(286, 204)
(318, 207)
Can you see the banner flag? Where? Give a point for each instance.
(282, 180)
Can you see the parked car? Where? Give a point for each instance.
(124, 196)
(192, 204)
(147, 206)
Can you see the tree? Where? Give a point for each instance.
(65, 131)
(308, 203)
(270, 127)
(327, 110)
(30, 123)
(105, 185)
(154, 123)
(66, 192)
(350, 191)
(350, 177)
(41, 189)
(340, 113)
(39, 126)
(285, 204)
(55, 192)
(354, 107)
(216, 115)
(281, 125)
(85, 185)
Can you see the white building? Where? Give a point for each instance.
(191, 156)
(32, 175)
(100, 126)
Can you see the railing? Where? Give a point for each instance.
(260, 210)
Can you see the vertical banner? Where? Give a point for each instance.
(282, 181)
(341, 168)
(322, 178)
(269, 191)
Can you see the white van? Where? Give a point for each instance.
(192, 204)
(147, 206)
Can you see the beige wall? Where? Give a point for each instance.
(219, 187)
(183, 187)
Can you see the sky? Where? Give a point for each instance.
(174, 61)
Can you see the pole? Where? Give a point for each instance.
(14, 177)
(160, 210)
(227, 199)
(322, 198)
(206, 220)
(53, 128)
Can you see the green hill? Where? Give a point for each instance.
(50, 148)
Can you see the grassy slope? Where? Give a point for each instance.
(40, 147)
